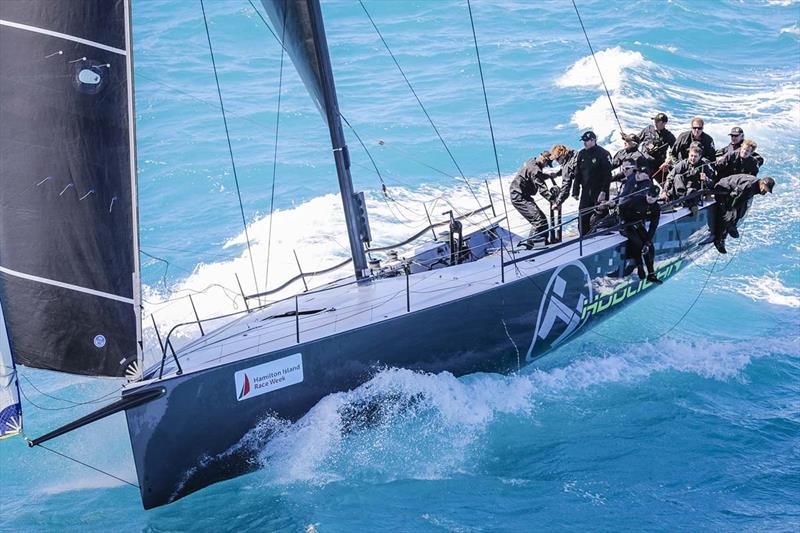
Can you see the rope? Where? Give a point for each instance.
(230, 148)
(274, 158)
(65, 456)
(421, 105)
(74, 404)
(608, 94)
(489, 117)
(375, 166)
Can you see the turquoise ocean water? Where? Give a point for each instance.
(654, 421)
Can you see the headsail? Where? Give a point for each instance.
(68, 218)
(10, 408)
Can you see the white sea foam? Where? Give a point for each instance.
(619, 67)
(613, 62)
(768, 288)
(403, 424)
(793, 29)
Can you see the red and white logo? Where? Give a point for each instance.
(269, 377)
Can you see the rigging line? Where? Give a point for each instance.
(85, 464)
(410, 157)
(372, 160)
(489, 117)
(608, 94)
(283, 48)
(230, 148)
(274, 158)
(166, 266)
(461, 172)
(74, 404)
(43, 408)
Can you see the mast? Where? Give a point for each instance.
(355, 212)
(300, 23)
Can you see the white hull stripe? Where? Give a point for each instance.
(62, 36)
(66, 285)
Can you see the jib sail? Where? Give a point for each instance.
(68, 219)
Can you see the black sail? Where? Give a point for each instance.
(293, 25)
(68, 218)
(299, 25)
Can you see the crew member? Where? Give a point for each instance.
(680, 150)
(688, 176)
(530, 180)
(656, 142)
(630, 152)
(739, 161)
(732, 195)
(638, 204)
(592, 177)
(737, 138)
(567, 161)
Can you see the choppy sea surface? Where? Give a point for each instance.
(681, 413)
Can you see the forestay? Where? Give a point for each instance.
(68, 221)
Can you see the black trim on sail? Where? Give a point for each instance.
(68, 248)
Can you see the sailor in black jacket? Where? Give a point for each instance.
(732, 195)
(657, 140)
(680, 150)
(737, 138)
(567, 161)
(631, 152)
(638, 204)
(529, 182)
(739, 161)
(688, 176)
(592, 177)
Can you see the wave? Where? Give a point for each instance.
(639, 87)
(410, 425)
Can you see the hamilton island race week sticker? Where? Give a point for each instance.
(269, 377)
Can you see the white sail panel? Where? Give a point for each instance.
(10, 408)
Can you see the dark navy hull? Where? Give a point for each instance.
(198, 433)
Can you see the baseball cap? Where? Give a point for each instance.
(661, 117)
(631, 137)
(736, 131)
(770, 183)
(588, 136)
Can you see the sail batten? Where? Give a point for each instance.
(68, 222)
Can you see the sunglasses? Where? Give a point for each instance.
(697, 128)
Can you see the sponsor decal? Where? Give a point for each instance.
(602, 303)
(569, 288)
(268, 377)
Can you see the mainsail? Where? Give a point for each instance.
(300, 26)
(68, 219)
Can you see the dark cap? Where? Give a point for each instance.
(588, 136)
(661, 117)
(770, 182)
(631, 137)
(736, 131)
